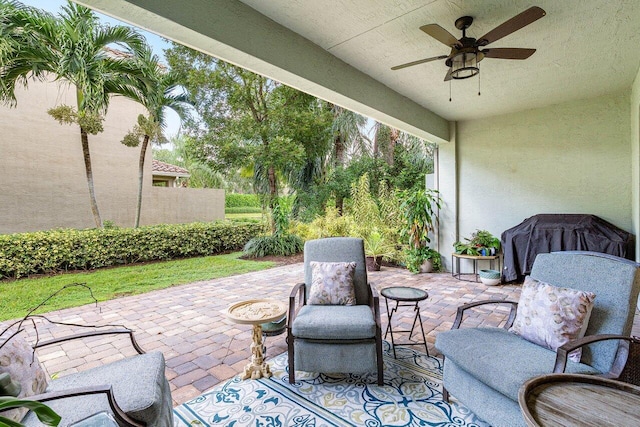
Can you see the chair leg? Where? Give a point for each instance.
(292, 368)
(379, 357)
(445, 395)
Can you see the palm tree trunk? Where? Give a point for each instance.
(393, 140)
(143, 153)
(339, 148)
(84, 137)
(273, 193)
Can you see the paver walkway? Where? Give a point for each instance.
(202, 348)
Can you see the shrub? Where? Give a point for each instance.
(242, 210)
(69, 249)
(280, 245)
(235, 200)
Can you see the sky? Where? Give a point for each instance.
(157, 43)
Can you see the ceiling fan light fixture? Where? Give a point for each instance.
(464, 65)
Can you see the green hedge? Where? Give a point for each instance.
(233, 200)
(53, 251)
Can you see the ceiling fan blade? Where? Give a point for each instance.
(421, 61)
(440, 34)
(447, 77)
(508, 53)
(512, 25)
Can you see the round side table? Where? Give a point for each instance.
(404, 297)
(256, 312)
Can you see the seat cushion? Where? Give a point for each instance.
(500, 359)
(139, 386)
(334, 322)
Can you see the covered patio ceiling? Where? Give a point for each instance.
(343, 51)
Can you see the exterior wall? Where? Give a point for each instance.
(569, 158)
(181, 205)
(44, 182)
(635, 160)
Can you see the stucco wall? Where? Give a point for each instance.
(43, 179)
(635, 156)
(568, 158)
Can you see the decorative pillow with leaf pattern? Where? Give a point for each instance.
(551, 316)
(332, 283)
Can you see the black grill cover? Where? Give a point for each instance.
(560, 232)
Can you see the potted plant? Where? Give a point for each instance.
(481, 243)
(375, 248)
(420, 213)
(423, 260)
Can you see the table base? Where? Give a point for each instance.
(257, 368)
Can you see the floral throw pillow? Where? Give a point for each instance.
(551, 316)
(20, 362)
(332, 283)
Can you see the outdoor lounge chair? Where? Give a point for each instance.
(484, 368)
(134, 390)
(335, 338)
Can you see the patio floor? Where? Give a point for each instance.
(202, 348)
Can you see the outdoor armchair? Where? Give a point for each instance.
(485, 367)
(134, 389)
(335, 338)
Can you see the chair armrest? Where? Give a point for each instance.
(298, 292)
(120, 415)
(134, 343)
(618, 363)
(463, 308)
(374, 303)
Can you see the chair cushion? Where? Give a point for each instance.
(139, 387)
(18, 359)
(552, 316)
(334, 322)
(499, 358)
(332, 283)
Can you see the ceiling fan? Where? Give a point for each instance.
(465, 52)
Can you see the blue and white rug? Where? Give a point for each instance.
(411, 396)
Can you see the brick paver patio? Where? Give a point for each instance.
(187, 323)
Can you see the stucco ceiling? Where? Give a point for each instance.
(584, 48)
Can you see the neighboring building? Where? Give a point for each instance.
(166, 175)
(44, 181)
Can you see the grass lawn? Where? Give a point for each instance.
(19, 296)
(243, 215)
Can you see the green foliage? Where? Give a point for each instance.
(420, 209)
(276, 244)
(416, 256)
(234, 200)
(90, 121)
(45, 414)
(68, 249)
(480, 239)
(376, 245)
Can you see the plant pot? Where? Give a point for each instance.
(373, 263)
(426, 266)
(489, 277)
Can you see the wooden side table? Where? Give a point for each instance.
(564, 400)
(256, 312)
(455, 264)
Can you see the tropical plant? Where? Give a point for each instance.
(157, 90)
(479, 240)
(73, 48)
(420, 210)
(376, 246)
(415, 257)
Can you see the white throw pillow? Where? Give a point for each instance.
(332, 283)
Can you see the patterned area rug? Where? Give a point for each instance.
(411, 396)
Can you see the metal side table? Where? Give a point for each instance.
(404, 297)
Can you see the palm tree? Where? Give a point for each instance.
(156, 89)
(73, 47)
(346, 128)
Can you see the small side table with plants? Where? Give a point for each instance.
(482, 246)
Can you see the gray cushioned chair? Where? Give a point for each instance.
(135, 389)
(484, 368)
(333, 338)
